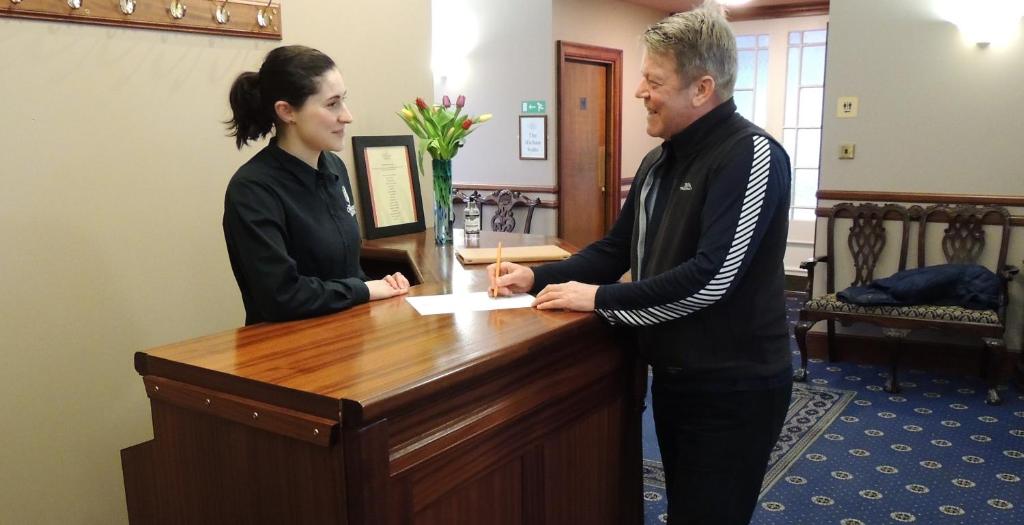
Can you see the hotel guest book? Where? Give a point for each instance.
(546, 252)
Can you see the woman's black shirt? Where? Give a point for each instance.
(292, 237)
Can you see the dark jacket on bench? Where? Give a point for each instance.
(967, 285)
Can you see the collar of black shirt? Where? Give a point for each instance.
(299, 168)
(689, 139)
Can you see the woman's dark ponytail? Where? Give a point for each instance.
(250, 118)
(289, 73)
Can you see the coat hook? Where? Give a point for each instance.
(265, 15)
(222, 15)
(177, 9)
(128, 6)
(75, 4)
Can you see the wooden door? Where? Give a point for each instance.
(589, 136)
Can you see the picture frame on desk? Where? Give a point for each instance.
(533, 137)
(389, 188)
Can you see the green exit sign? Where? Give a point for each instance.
(534, 106)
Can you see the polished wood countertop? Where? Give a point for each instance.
(364, 363)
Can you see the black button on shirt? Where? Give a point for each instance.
(292, 237)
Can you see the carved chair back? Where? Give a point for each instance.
(963, 239)
(504, 219)
(867, 239)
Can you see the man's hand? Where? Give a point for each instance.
(515, 278)
(389, 286)
(572, 295)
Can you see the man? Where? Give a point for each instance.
(703, 232)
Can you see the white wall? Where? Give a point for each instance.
(937, 115)
(114, 164)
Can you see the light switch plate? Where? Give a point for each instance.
(847, 151)
(846, 107)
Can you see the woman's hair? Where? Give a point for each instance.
(289, 73)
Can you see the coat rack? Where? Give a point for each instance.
(244, 18)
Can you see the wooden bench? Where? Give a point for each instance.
(963, 241)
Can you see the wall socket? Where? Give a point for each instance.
(846, 107)
(847, 151)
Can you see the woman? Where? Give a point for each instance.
(289, 220)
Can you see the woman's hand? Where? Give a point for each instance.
(515, 278)
(389, 286)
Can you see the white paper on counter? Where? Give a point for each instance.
(467, 302)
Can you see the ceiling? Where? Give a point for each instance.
(750, 11)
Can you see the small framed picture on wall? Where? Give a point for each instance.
(533, 137)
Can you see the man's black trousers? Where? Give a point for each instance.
(715, 447)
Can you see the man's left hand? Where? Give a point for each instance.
(572, 295)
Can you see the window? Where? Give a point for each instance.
(751, 91)
(801, 134)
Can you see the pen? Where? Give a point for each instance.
(497, 271)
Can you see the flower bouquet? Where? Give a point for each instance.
(442, 129)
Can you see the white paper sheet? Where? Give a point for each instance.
(467, 302)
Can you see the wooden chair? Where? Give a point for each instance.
(506, 200)
(963, 241)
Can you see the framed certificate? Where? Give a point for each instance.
(533, 137)
(389, 189)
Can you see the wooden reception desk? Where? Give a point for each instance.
(378, 415)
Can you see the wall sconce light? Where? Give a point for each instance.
(455, 35)
(984, 22)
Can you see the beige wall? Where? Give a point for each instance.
(618, 25)
(512, 60)
(515, 60)
(936, 115)
(113, 175)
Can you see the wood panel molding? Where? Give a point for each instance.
(493, 401)
(791, 9)
(929, 198)
(824, 211)
(495, 187)
(296, 425)
(197, 18)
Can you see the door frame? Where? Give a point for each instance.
(612, 59)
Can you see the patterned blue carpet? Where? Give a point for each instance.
(850, 453)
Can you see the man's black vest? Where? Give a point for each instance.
(745, 334)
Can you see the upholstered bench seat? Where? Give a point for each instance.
(831, 303)
(962, 242)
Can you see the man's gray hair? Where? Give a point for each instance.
(701, 42)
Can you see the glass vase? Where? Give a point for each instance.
(444, 218)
